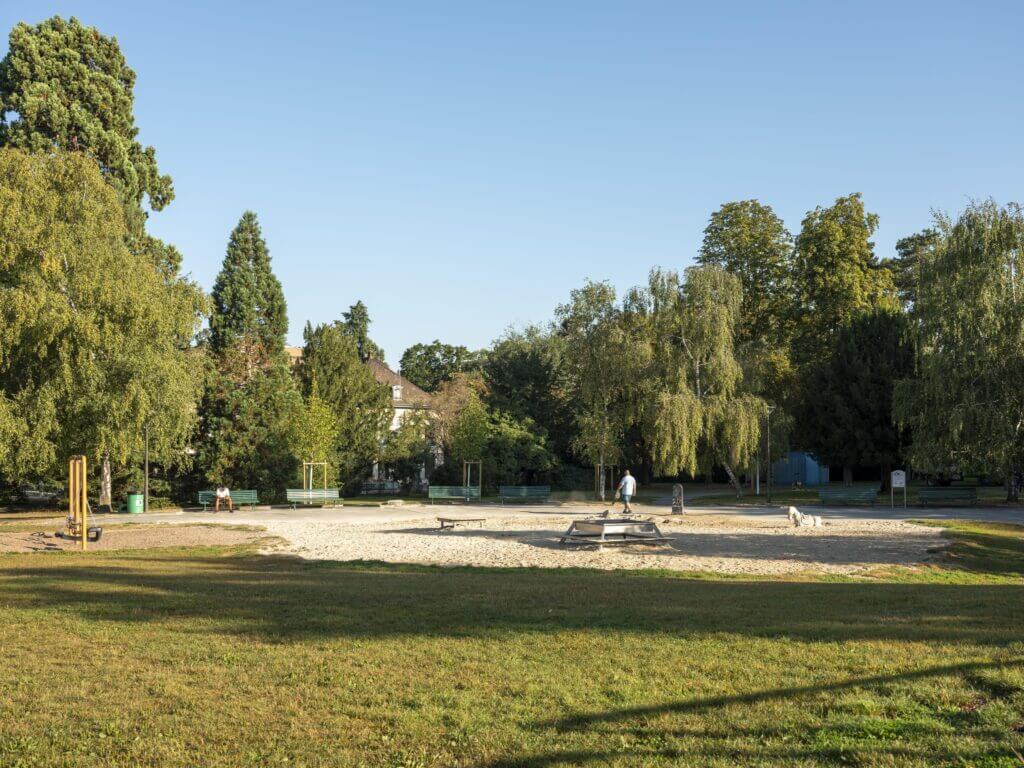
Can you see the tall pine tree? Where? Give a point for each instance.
(248, 302)
(252, 403)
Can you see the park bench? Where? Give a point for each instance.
(311, 496)
(451, 492)
(451, 522)
(525, 493)
(238, 498)
(848, 495)
(380, 486)
(968, 494)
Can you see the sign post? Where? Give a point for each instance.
(898, 479)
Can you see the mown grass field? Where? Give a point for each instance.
(218, 657)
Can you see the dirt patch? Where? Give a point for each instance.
(721, 544)
(132, 537)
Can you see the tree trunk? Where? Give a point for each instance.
(886, 475)
(847, 475)
(733, 480)
(1012, 486)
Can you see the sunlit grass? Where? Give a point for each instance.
(220, 657)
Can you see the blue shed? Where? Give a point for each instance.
(799, 467)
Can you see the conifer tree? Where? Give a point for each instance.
(248, 302)
(64, 85)
(362, 406)
(252, 404)
(357, 325)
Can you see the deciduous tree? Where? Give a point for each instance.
(429, 365)
(965, 405)
(91, 334)
(695, 410)
(747, 239)
(846, 416)
(837, 275)
(600, 362)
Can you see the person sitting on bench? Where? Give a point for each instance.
(222, 494)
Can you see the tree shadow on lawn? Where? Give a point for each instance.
(746, 743)
(793, 544)
(284, 599)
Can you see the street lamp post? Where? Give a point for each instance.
(770, 409)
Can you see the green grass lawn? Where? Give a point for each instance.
(213, 657)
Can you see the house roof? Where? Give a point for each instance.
(411, 397)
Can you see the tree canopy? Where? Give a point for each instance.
(248, 302)
(965, 405)
(747, 239)
(361, 405)
(91, 333)
(65, 86)
(430, 365)
(846, 415)
(837, 274)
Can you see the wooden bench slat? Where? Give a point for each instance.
(962, 493)
(848, 495)
(465, 492)
(246, 497)
(311, 495)
(528, 492)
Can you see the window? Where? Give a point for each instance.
(396, 392)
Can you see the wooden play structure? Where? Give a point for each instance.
(77, 526)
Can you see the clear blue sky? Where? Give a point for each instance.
(461, 166)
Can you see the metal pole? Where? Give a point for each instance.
(769, 454)
(145, 481)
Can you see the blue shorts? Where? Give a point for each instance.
(626, 497)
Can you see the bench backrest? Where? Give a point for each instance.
(311, 494)
(970, 493)
(453, 492)
(524, 491)
(858, 494)
(245, 496)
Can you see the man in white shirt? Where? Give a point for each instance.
(627, 488)
(223, 495)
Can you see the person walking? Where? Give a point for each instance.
(627, 489)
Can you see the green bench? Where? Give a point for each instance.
(968, 494)
(525, 493)
(311, 496)
(380, 486)
(848, 495)
(239, 498)
(450, 492)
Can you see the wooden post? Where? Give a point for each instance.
(78, 500)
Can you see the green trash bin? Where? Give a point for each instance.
(135, 504)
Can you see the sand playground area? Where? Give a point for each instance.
(725, 543)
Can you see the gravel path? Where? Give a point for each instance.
(721, 544)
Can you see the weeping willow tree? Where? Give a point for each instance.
(696, 411)
(965, 405)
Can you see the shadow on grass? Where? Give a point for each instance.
(281, 599)
(753, 744)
